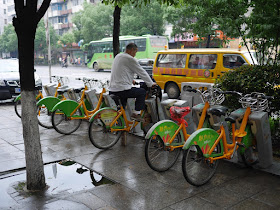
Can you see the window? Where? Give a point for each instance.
(4, 1)
(5, 11)
(141, 44)
(5, 21)
(11, 8)
(233, 61)
(172, 60)
(75, 2)
(202, 61)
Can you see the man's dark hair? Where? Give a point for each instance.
(131, 46)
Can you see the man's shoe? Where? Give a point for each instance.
(137, 117)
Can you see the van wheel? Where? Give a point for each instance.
(172, 91)
(96, 67)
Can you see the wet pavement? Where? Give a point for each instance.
(120, 178)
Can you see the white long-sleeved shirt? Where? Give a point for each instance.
(122, 73)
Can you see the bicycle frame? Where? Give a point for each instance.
(82, 105)
(182, 127)
(128, 124)
(237, 136)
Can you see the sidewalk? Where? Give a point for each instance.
(135, 185)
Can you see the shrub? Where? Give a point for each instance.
(248, 79)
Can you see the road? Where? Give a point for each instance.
(71, 73)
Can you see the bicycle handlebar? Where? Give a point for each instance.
(209, 95)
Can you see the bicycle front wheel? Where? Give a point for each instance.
(101, 136)
(18, 108)
(63, 124)
(158, 156)
(44, 117)
(198, 170)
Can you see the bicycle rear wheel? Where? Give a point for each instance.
(159, 157)
(18, 108)
(196, 169)
(64, 125)
(101, 136)
(44, 117)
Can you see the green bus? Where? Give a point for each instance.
(100, 53)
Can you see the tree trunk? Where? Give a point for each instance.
(208, 41)
(35, 178)
(25, 23)
(116, 30)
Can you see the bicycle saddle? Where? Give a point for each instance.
(178, 113)
(61, 91)
(218, 111)
(78, 90)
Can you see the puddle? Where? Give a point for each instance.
(71, 176)
(64, 176)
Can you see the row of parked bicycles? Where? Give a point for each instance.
(165, 139)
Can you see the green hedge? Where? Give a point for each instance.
(247, 79)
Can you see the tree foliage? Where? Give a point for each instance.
(94, 22)
(40, 38)
(8, 40)
(263, 27)
(67, 39)
(147, 19)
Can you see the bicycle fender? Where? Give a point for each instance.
(49, 102)
(107, 115)
(164, 128)
(204, 138)
(67, 106)
(17, 98)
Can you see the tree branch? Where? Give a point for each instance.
(41, 12)
(19, 5)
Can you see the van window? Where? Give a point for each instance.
(202, 61)
(171, 60)
(233, 61)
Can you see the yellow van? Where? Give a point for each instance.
(174, 66)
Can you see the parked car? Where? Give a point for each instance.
(9, 79)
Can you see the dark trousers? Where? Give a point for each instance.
(138, 93)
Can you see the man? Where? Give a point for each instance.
(123, 69)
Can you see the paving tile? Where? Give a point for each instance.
(269, 196)
(121, 197)
(221, 197)
(194, 203)
(250, 204)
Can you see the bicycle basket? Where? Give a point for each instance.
(214, 96)
(256, 101)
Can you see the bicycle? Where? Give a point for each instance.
(67, 115)
(17, 102)
(42, 103)
(107, 125)
(166, 138)
(206, 147)
(45, 104)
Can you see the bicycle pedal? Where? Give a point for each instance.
(240, 144)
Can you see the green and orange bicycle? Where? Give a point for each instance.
(166, 138)
(206, 147)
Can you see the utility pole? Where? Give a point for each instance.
(48, 40)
